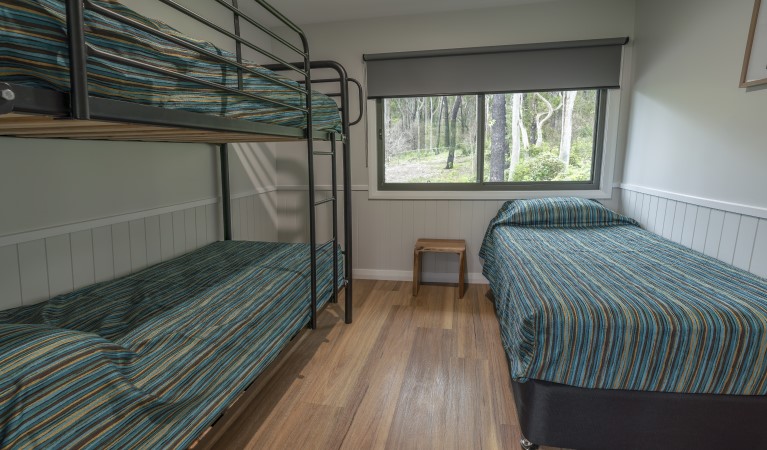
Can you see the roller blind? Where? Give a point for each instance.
(589, 64)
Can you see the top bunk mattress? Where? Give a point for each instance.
(34, 53)
(612, 306)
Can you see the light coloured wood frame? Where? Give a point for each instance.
(759, 16)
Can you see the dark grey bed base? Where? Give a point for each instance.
(600, 419)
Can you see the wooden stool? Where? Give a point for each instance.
(439, 246)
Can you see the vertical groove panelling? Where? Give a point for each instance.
(408, 237)
(733, 238)
(201, 225)
(660, 217)
(714, 234)
(690, 222)
(37, 270)
(121, 248)
(744, 248)
(212, 213)
(465, 232)
(33, 266)
(670, 215)
(478, 223)
(103, 262)
(729, 238)
(236, 218)
(701, 229)
(251, 222)
(153, 240)
(167, 244)
(10, 278)
(652, 213)
(645, 217)
(179, 233)
(190, 228)
(759, 255)
(83, 270)
(680, 215)
(58, 254)
(137, 244)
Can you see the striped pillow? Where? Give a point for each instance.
(559, 212)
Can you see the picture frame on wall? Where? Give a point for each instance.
(755, 62)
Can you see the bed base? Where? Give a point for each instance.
(602, 419)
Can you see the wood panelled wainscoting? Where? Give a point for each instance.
(425, 372)
(732, 233)
(39, 265)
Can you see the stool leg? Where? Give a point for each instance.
(416, 271)
(461, 275)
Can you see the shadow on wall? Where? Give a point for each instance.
(255, 160)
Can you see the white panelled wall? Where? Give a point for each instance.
(54, 261)
(733, 237)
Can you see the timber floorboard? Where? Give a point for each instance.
(424, 372)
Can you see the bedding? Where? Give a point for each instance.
(152, 359)
(617, 307)
(33, 52)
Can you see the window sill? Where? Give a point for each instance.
(375, 194)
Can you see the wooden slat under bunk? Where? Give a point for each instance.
(37, 126)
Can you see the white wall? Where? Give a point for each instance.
(385, 230)
(693, 131)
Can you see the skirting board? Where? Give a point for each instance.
(406, 275)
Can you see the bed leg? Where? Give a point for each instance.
(527, 445)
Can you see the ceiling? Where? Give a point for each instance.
(305, 12)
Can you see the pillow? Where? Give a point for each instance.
(559, 212)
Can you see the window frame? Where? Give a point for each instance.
(598, 153)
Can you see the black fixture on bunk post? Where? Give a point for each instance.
(78, 61)
(226, 199)
(345, 124)
(334, 196)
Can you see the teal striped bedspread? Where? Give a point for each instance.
(152, 359)
(33, 52)
(618, 307)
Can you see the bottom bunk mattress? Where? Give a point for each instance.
(588, 299)
(152, 359)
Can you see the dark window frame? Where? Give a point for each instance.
(481, 185)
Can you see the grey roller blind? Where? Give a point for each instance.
(587, 64)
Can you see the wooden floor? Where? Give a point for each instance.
(424, 372)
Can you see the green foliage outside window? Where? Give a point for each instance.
(527, 137)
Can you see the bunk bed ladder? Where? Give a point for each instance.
(333, 242)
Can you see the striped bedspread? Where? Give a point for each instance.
(33, 52)
(617, 307)
(150, 360)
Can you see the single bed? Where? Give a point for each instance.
(619, 338)
(152, 359)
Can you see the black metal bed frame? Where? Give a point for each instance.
(80, 105)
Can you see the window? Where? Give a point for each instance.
(547, 140)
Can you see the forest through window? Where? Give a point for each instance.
(490, 139)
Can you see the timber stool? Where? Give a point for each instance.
(439, 246)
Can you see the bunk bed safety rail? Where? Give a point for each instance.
(80, 50)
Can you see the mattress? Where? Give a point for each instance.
(618, 307)
(33, 52)
(150, 360)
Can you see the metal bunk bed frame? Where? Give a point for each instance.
(103, 117)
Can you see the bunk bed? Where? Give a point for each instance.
(619, 338)
(152, 359)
